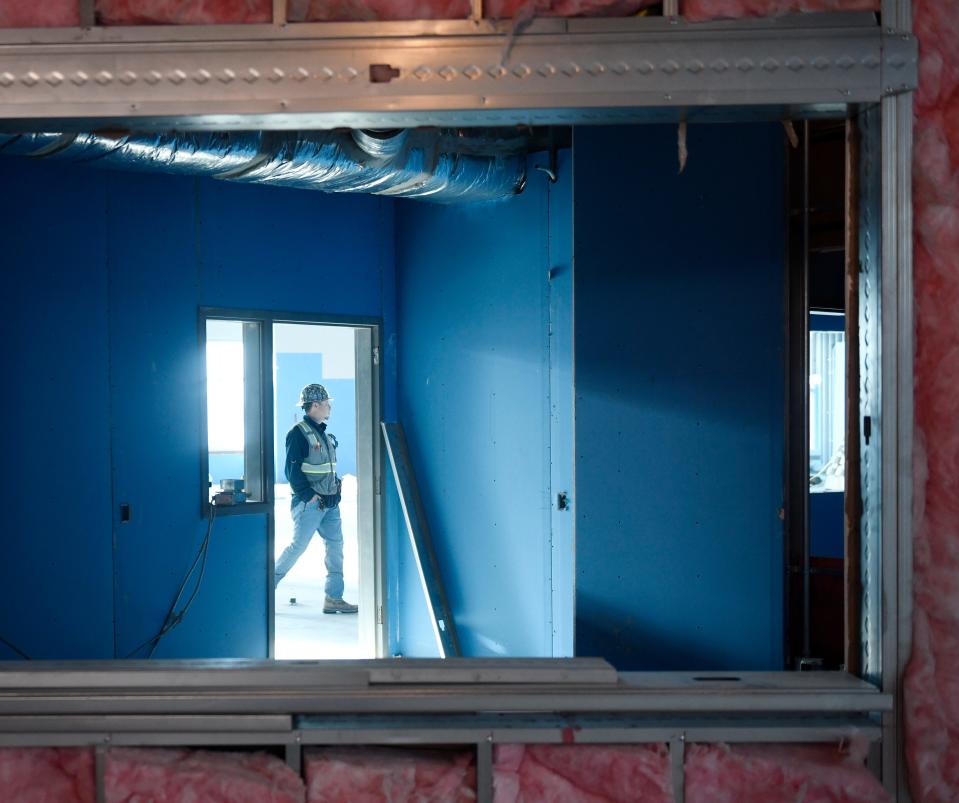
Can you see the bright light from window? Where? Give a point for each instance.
(827, 411)
(224, 393)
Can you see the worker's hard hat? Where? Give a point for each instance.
(313, 393)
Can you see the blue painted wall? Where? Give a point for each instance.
(56, 587)
(108, 270)
(561, 401)
(679, 397)
(827, 524)
(473, 362)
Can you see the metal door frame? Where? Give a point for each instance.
(368, 450)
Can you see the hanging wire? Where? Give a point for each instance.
(174, 617)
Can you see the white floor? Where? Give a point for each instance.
(302, 629)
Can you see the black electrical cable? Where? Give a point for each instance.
(15, 648)
(173, 618)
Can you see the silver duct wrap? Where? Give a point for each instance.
(444, 166)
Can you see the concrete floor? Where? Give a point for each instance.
(302, 629)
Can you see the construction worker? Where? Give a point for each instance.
(311, 472)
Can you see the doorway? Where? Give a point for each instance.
(822, 514)
(340, 358)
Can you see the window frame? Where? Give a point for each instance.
(261, 419)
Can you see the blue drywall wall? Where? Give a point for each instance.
(827, 524)
(118, 288)
(56, 589)
(561, 399)
(823, 322)
(473, 393)
(679, 397)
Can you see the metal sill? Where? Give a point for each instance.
(417, 687)
(470, 703)
(247, 508)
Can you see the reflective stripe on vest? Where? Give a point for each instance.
(309, 434)
(319, 466)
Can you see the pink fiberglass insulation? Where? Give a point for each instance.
(47, 775)
(501, 9)
(581, 774)
(358, 10)
(389, 775)
(169, 776)
(779, 774)
(35, 14)
(183, 12)
(369, 10)
(931, 680)
(698, 10)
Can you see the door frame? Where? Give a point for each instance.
(373, 628)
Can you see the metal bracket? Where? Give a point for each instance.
(900, 62)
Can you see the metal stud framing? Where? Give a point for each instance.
(481, 703)
(897, 344)
(556, 71)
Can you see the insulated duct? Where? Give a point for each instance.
(440, 165)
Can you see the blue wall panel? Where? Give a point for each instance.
(228, 616)
(679, 397)
(290, 250)
(56, 589)
(157, 392)
(827, 524)
(561, 399)
(473, 307)
(118, 286)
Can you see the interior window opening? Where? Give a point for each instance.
(674, 409)
(233, 394)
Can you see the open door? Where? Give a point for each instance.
(341, 359)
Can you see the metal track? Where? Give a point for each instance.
(479, 732)
(463, 73)
(411, 686)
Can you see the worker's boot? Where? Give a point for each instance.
(338, 605)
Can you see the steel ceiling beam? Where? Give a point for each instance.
(457, 72)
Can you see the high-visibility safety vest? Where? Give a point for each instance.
(319, 466)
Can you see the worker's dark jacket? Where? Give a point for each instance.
(311, 463)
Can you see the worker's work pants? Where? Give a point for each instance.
(308, 519)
